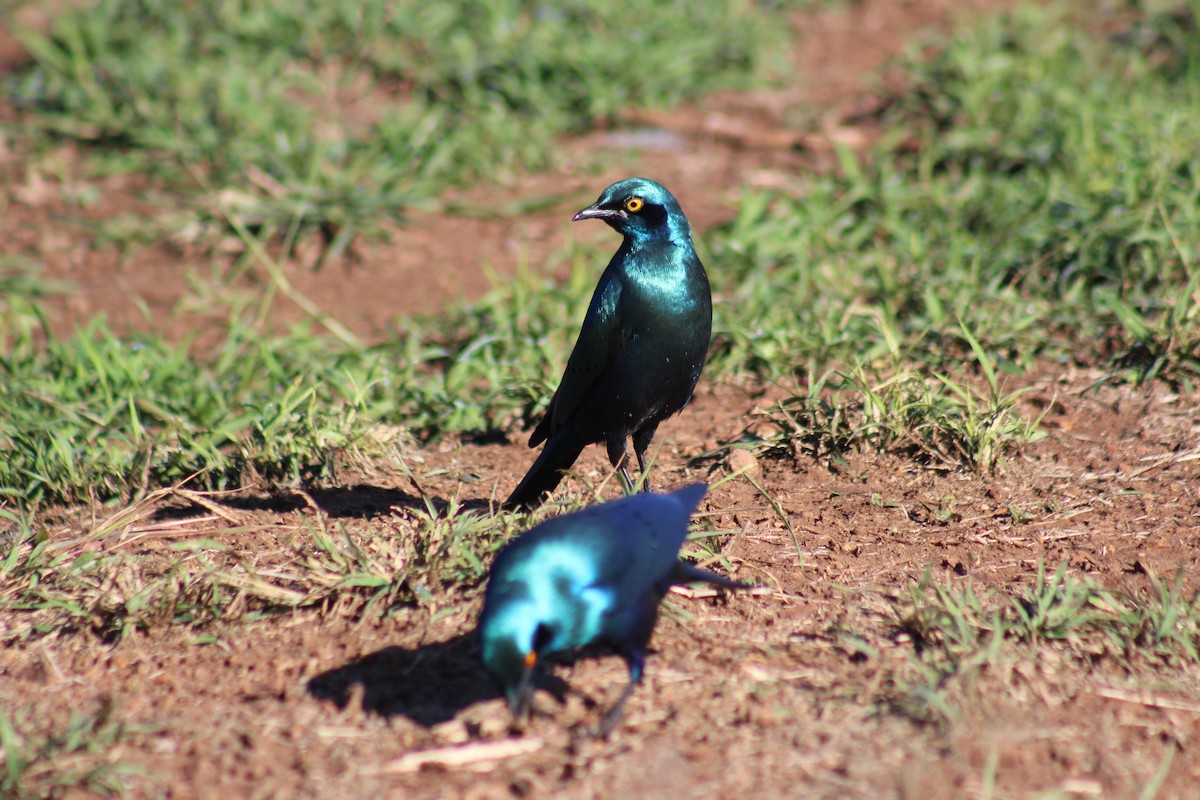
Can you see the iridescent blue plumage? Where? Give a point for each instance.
(592, 578)
(642, 344)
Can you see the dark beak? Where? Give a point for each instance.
(596, 212)
(519, 698)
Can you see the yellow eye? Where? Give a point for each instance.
(634, 204)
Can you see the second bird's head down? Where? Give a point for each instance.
(639, 208)
(591, 578)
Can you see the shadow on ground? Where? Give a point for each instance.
(361, 501)
(429, 685)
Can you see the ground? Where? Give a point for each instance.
(801, 688)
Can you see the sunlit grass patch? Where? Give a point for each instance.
(300, 115)
(935, 420)
(200, 570)
(1047, 198)
(98, 414)
(103, 415)
(82, 756)
(953, 635)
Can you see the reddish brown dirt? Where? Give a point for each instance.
(766, 695)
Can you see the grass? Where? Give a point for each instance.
(317, 116)
(958, 633)
(106, 581)
(98, 415)
(39, 763)
(1047, 214)
(936, 421)
(1049, 199)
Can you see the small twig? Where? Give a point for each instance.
(1148, 699)
(787, 523)
(52, 662)
(201, 499)
(173, 529)
(707, 591)
(460, 755)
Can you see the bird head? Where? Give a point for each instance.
(638, 207)
(511, 642)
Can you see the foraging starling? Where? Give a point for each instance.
(592, 578)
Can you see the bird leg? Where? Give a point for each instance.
(521, 702)
(619, 458)
(645, 479)
(634, 653)
(627, 483)
(641, 442)
(609, 720)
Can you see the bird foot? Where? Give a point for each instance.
(607, 723)
(598, 732)
(613, 715)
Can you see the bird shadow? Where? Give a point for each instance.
(428, 684)
(364, 501)
(360, 501)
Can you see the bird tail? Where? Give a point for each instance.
(690, 496)
(687, 573)
(547, 471)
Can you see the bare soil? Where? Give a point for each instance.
(761, 694)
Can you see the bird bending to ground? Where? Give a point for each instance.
(641, 347)
(594, 578)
